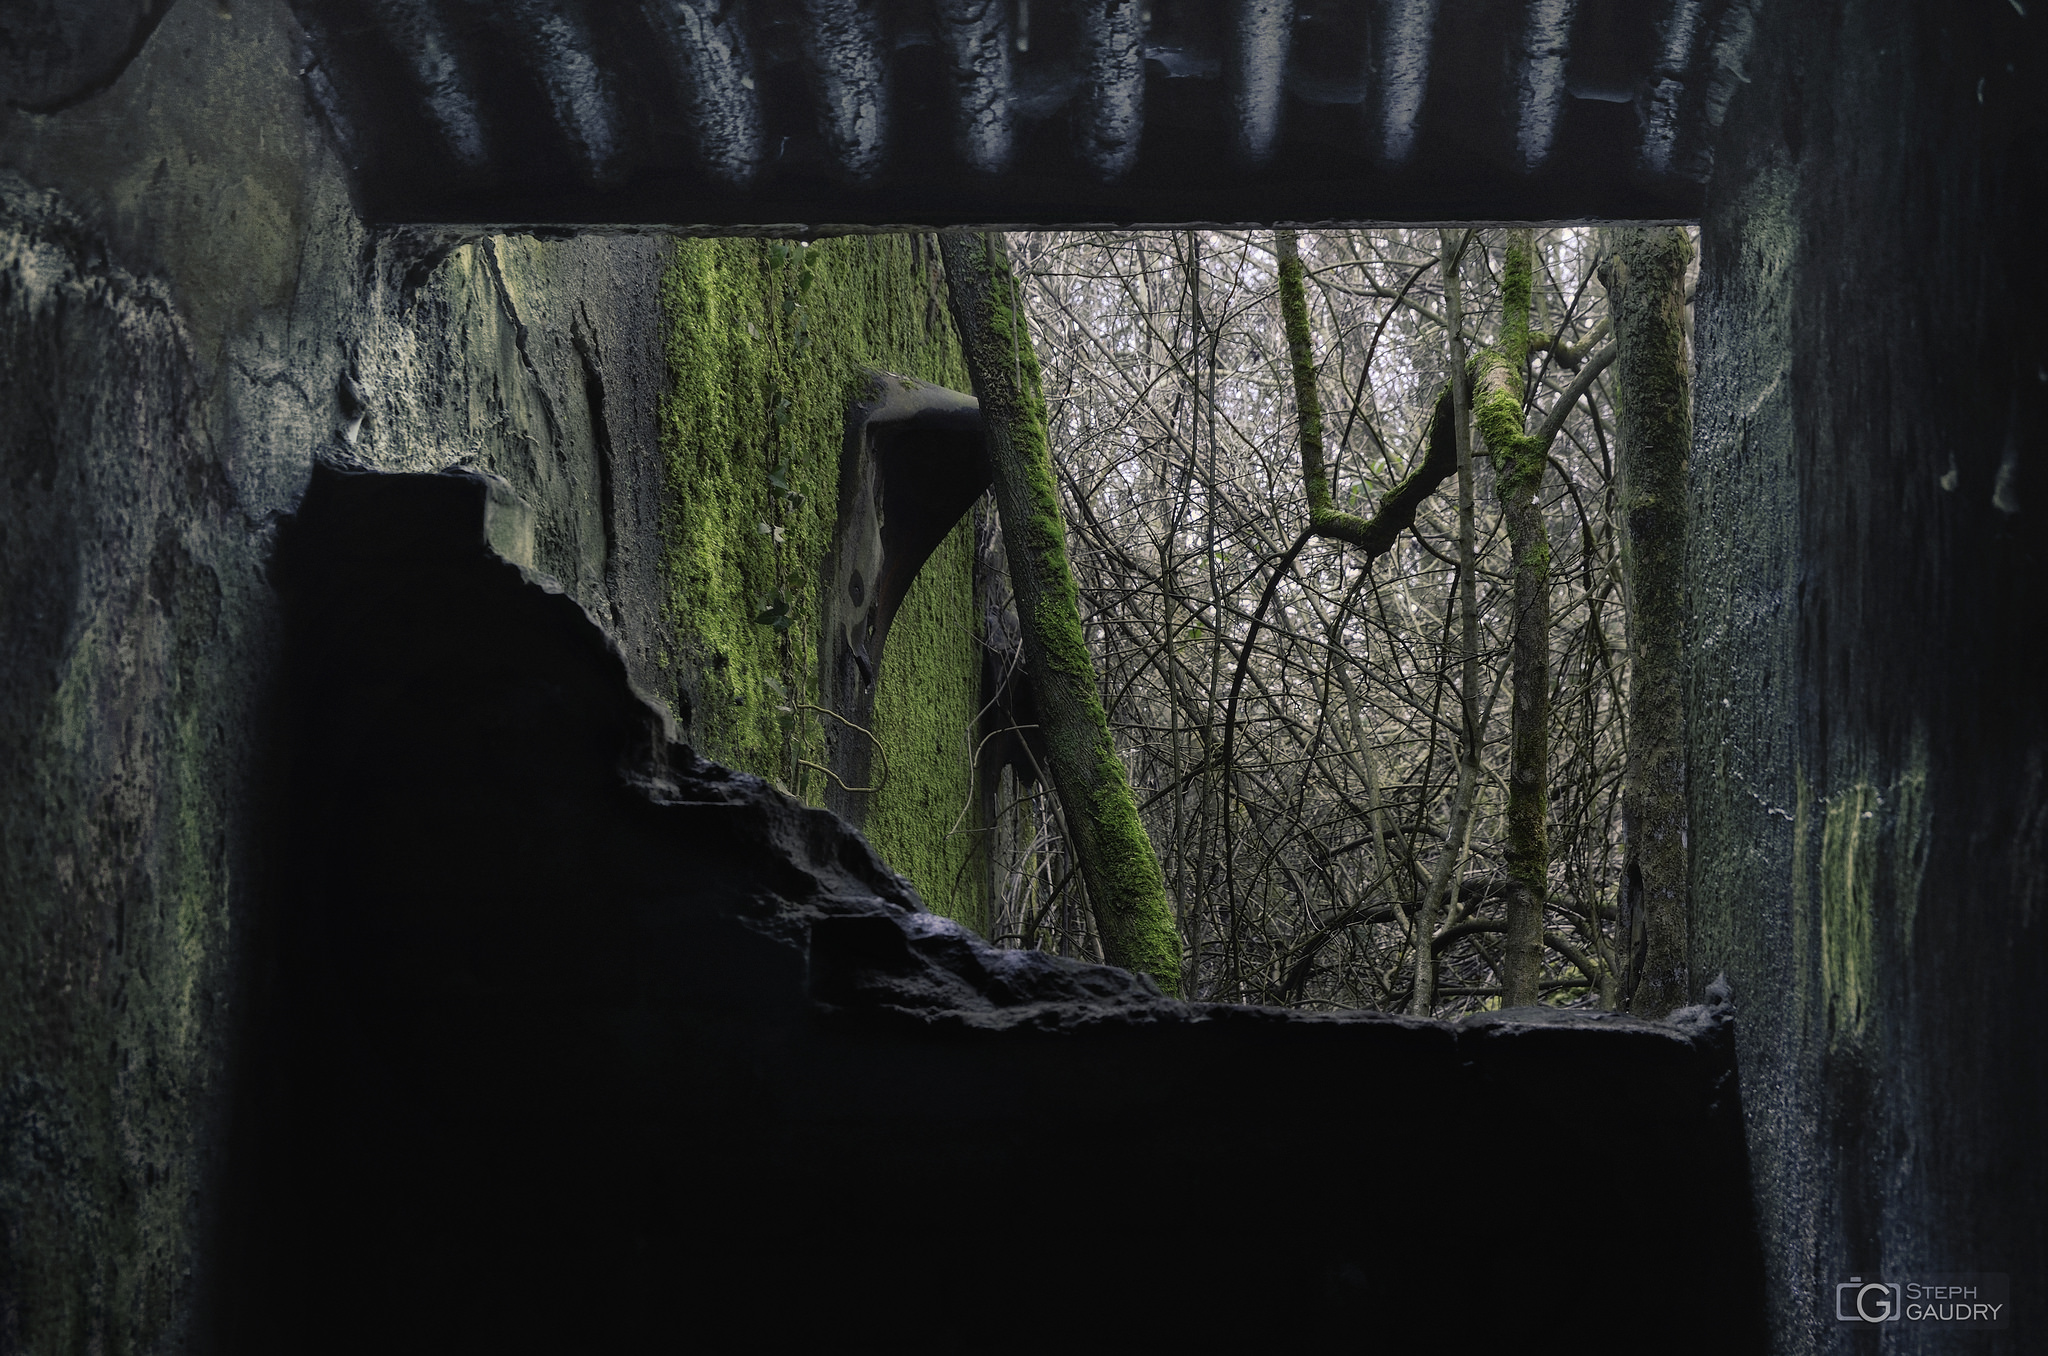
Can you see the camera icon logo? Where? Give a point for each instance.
(1861, 1301)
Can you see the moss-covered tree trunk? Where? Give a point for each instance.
(1645, 278)
(1518, 460)
(1117, 864)
(1396, 514)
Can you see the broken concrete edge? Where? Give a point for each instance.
(873, 952)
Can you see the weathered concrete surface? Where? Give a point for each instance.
(137, 630)
(183, 287)
(1868, 743)
(540, 361)
(774, 112)
(576, 1041)
(911, 468)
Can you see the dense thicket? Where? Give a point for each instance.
(1290, 710)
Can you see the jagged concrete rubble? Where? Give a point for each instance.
(591, 1032)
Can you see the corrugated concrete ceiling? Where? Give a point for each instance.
(730, 114)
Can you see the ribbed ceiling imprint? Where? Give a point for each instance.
(796, 114)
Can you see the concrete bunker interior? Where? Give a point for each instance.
(301, 1044)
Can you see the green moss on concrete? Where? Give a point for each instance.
(925, 702)
(1873, 835)
(768, 345)
(131, 696)
(1848, 868)
(715, 439)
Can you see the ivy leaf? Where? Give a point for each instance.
(774, 612)
(778, 480)
(795, 501)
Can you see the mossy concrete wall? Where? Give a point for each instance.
(190, 312)
(177, 263)
(768, 345)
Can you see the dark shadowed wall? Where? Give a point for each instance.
(1870, 735)
(189, 309)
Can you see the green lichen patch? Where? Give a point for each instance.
(1848, 868)
(1875, 836)
(1912, 825)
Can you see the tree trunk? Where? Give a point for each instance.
(1518, 461)
(1115, 857)
(1375, 535)
(1645, 280)
(1422, 999)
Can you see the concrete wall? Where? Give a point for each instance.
(183, 287)
(580, 1042)
(193, 310)
(1870, 818)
